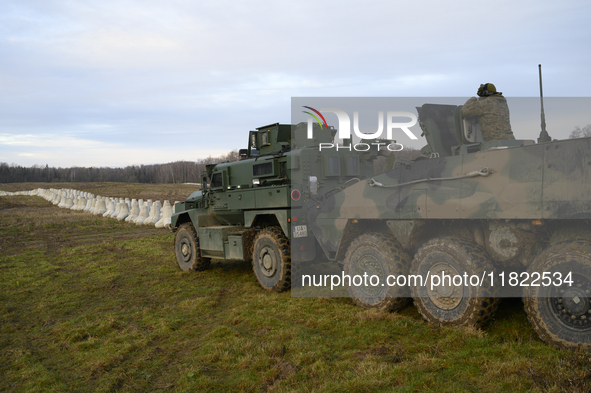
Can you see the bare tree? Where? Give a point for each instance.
(579, 132)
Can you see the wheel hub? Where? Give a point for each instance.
(575, 302)
(371, 266)
(267, 262)
(572, 305)
(446, 296)
(186, 250)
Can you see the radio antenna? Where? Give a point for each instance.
(544, 137)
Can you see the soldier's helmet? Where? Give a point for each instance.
(486, 90)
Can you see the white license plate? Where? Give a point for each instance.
(300, 231)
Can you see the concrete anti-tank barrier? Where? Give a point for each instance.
(138, 212)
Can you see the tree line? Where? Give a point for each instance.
(173, 172)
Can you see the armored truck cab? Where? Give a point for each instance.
(252, 209)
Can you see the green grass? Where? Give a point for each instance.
(93, 304)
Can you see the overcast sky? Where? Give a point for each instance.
(115, 83)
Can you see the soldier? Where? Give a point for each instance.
(492, 111)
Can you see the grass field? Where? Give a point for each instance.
(94, 304)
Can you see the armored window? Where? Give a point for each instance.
(262, 169)
(353, 166)
(253, 140)
(334, 169)
(216, 180)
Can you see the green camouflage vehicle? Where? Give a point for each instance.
(249, 209)
(511, 213)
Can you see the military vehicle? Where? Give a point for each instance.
(513, 213)
(499, 210)
(249, 209)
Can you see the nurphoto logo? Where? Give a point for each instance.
(344, 131)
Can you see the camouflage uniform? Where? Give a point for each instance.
(493, 116)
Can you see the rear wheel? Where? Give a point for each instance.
(271, 260)
(186, 246)
(377, 255)
(446, 303)
(561, 312)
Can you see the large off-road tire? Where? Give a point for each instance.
(571, 231)
(377, 254)
(561, 314)
(462, 305)
(186, 247)
(271, 260)
(298, 269)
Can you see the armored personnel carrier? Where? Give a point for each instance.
(513, 214)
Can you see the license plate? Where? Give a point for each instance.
(300, 231)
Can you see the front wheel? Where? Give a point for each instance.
(561, 312)
(452, 303)
(372, 264)
(186, 247)
(271, 260)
